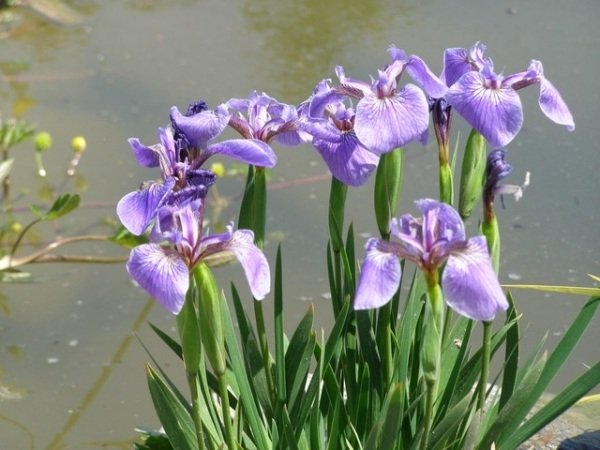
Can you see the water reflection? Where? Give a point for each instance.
(302, 41)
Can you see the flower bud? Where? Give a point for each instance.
(78, 144)
(42, 141)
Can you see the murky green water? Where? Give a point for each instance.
(66, 343)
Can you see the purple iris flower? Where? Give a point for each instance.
(263, 118)
(469, 283)
(162, 267)
(331, 125)
(489, 102)
(388, 117)
(182, 150)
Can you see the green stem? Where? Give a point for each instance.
(224, 394)
(192, 379)
(485, 363)
(431, 353)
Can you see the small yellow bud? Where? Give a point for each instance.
(42, 141)
(218, 169)
(78, 144)
(16, 227)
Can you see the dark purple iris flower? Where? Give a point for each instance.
(388, 117)
(489, 102)
(496, 170)
(326, 118)
(162, 267)
(182, 150)
(469, 283)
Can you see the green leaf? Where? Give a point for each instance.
(63, 205)
(555, 362)
(246, 396)
(575, 290)
(554, 408)
(384, 434)
(298, 357)
(168, 340)
(174, 417)
(511, 358)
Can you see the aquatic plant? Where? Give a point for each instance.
(397, 369)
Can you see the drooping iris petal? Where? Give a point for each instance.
(470, 284)
(253, 261)
(379, 276)
(496, 113)
(137, 209)
(201, 127)
(553, 106)
(144, 155)
(421, 73)
(250, 151)
(346, 158)
(385, 124)
(161, 273)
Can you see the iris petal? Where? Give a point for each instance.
(347, 159)
(553, 106)
(144, 155)
(379, 276)
(253, 261)
(249, 151)
(137, 209)
(201, 127)
(163, 274)
(495, 113)
(470, 284)
(385, 124)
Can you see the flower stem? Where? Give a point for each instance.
(224, 394)
(431, 353)
(192, 379)
(485, 362)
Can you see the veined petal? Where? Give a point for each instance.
(448, 223)
(144, 155)
(379, 276)
(553, 106)
(469, 283)
(253, 261)
(201, 127)
(385, 124)
(161, 273)
(456, 64)
(347, 159)
(137, 209)
(495, 113)
(421, 73)
(249, 151)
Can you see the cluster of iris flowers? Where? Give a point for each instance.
(351, 139)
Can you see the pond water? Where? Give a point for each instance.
(67, 348)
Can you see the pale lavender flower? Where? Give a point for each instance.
(330, 122)
(162, 267)
(469, 283)
(489, 102)
(263, 118)
(388, 117)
